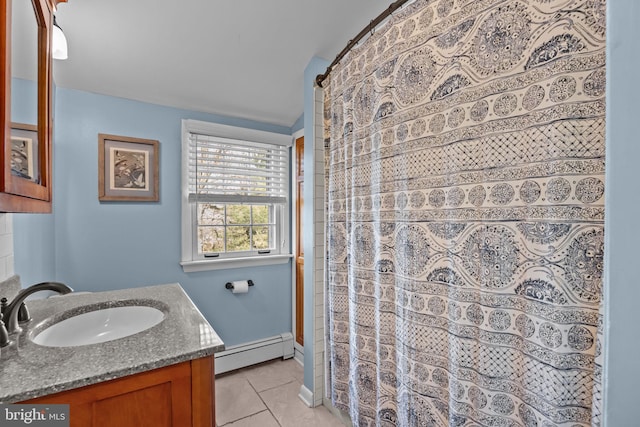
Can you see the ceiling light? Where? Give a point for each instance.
(59, 42)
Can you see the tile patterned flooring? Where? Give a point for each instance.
(266, 395)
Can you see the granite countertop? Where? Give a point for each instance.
(28, 370)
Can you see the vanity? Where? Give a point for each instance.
(160, 376)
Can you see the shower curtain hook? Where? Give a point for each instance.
(371, 30)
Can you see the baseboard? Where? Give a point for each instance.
(298, 353)
(251, 353)
(306, 396)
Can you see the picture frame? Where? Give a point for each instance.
(24, 151)
(127, 169)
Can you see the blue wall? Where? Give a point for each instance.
(298, 125)
(103, 246)
(36, 232)
(622, 283)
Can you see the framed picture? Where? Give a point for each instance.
(127, 169)
(24, 151)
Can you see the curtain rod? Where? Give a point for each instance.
(366, 30)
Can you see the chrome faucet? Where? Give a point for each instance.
(17, 305)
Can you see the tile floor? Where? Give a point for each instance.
(266, 395)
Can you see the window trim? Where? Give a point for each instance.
(242, 262)
(190, 262)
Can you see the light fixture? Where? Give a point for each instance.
(59, 41)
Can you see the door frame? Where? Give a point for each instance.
(298, 349)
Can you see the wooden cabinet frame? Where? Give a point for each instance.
(18, 194)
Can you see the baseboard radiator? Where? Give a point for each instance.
(251, 353)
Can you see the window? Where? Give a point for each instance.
(235, 185)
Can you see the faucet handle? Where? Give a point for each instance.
(23, 313)
(4, 334)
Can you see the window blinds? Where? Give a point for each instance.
(222, 170)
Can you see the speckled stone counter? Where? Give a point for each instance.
(28, 370)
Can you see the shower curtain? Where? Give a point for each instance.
(464, 148)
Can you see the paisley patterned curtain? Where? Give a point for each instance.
(465, 178)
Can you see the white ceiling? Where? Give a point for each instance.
(235, 58)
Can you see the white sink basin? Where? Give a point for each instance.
(98, 326)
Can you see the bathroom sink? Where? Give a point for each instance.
(99, 326)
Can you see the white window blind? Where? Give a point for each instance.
(235, 191)
(222, 170)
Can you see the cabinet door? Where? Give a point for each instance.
(157, 398)
(26, 120)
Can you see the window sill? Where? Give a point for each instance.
(219, 264)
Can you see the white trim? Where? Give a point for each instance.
(187, 232)
(297, 135)
(306, 396)
(298, 353)
(217, 264)
(319, 258)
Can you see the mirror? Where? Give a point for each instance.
(24, 91)
(24, 63)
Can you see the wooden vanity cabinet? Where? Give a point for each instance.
(180, 395)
